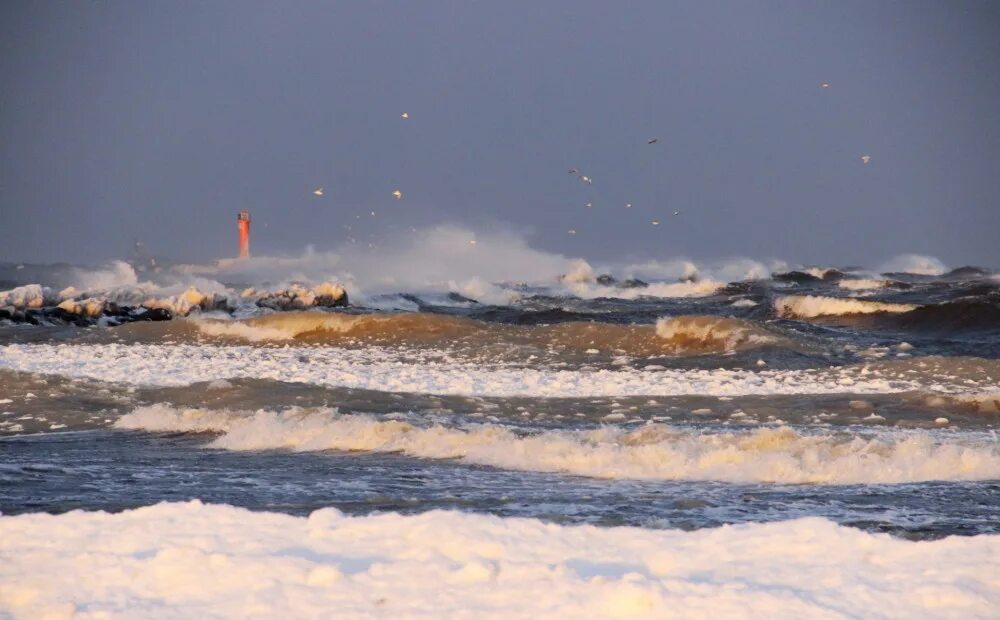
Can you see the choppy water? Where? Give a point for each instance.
(874, 404)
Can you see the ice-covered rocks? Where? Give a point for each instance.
(29, 296)
(37, 304)
(298, 297)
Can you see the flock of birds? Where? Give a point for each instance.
(584, 178)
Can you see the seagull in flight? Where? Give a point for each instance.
(652, 141)
(825, 85)
(404, 115)
(586, 179)
(318, 191)
(574, 171)
(571, 231)
(398, 194)
(655, 222)
(677, 212)
(866, 158)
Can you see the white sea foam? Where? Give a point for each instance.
(484, 292)
(650, 452)
(811, 306)
(393, 370)
(189, 560)
(915, 264)
(819, 272)
(114, 275)
(737, 269)
(862, 284)
(702, 288)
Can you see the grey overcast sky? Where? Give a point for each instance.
(159, 120)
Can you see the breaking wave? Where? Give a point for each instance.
(862, 284)
(682, 335)
(915, 264)
(812, 306)
(326, 326)
(650, 452)
(712, 334)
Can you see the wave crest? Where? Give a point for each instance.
(711, 334)
(651, 452)
(327, 326)
(812, 306)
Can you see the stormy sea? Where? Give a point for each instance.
(554, 438)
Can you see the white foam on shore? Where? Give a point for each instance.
(812, 306)
(398, 370)
(189, 560)
(650, 452)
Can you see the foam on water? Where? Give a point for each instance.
(914, 264)
(649, 452)
(703, 288)
(862, 284)
(435, 372)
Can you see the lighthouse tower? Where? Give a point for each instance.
(243, 223)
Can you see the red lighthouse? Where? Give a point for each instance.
(243, 223)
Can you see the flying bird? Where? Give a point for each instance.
(586, 179)
(677, 212)
(571, 231)
(405, 115)
(398, 194)
(472, 242)
(590, 204)
(655, 222)
(318, 191)
(628, 205)
(866, 158)
(825, 85)
(574, 171)
(652, 141)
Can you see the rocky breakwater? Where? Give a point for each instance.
(40, 305)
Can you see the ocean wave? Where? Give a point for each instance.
(701, 288)
(326, 326)
(954, 315)
(862, 284)
(914, 264)
(649, 452)
(812, 306)
(714, 334)
(196, 560)
(980, 402)
(681, 335)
